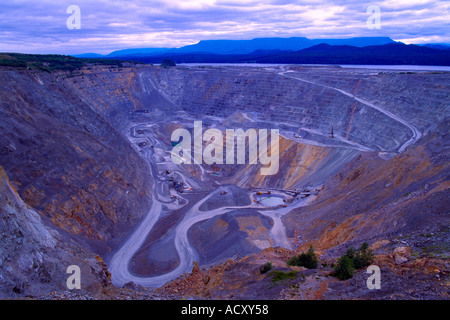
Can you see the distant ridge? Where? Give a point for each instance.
(89, 55)
(442, 46)
(138, 52)
(388, 54)
(245, 46)
(370, 51)
(287, 44)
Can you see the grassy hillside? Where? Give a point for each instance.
(51, 62)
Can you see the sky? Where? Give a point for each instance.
(101, 26)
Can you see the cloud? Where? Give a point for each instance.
(40, 26)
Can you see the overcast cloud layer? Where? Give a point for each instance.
(40, 26)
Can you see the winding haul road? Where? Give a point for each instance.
(416, 134)
(118, 265)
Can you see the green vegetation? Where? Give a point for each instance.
(166, 63)
(344, 269)
(308, 260)
(266, 267)
(52, 62)
(282, 276)
(352, 260)
(437, 250)
(361, 258)
(430, 244)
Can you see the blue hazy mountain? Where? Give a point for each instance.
(362, 50)
(395, 53)
(138, 52)
(285, 44)
(388, 54)
(244, 46)
(89, 55)
(443, 46)
(143, 52)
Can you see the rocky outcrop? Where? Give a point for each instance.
(67, 161)
(401, 255)
(64, 143)
(34, 257)
(372, 199)
(399, 206)
(423, 278)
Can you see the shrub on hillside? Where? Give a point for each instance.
(364, 257)
(344, 269)
(308, 260)
(282, 276)
(266, 267)
(353, 259)
(166, 63)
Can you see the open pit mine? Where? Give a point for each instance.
(88, 178)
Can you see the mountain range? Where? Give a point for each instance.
(300, 50)
(244, 46)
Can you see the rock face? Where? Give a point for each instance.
(401, 255)
(372, 199)
(425, 278)
(67, 162)
(34, 257)
(301, 100)
(79, 180)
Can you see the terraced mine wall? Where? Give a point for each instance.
(276, 98)
(64, 136)
(397, 108)
(421, 98)
(67, 161)
(372, 200)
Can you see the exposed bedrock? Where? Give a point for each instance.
(300, 165)
(34, 257)
(276, 98)
(421, 98)
(372, 199)
(67, 162)
(233, 234)
(158, 254)
(88, 150)
(283, 101)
